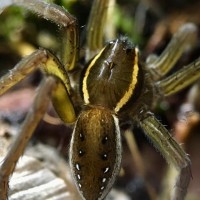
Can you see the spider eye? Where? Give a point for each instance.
(129, 50)
(100, 150)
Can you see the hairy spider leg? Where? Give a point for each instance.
(158, 134)
(184, 38)
(60, 16)
(171, 151)
(180, 79)
(50, 65)
(55, 85)
(96, 26)
(32, 119)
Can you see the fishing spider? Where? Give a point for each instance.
(116, 87)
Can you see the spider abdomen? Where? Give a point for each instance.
(95, 152)
(113, 76)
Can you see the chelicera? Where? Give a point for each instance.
(115, 86)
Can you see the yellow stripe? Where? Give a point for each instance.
(84, 88)
(131, 88)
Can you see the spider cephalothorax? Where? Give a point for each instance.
(115, 87)
(114, 74)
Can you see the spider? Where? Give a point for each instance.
(114, 87)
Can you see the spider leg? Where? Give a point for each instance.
(184, 38)
(171, 151)
(56, 85)
(180, 79)
(34, 116)
(50, 65)
(60, 16)
(96, 25)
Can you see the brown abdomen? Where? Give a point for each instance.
(95, 153)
